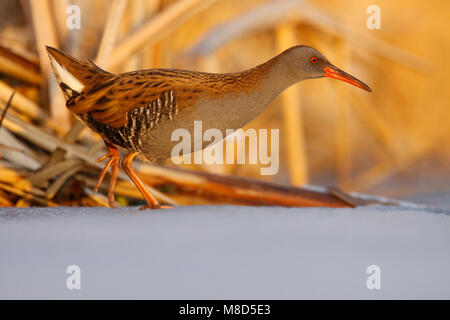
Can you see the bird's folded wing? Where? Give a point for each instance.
(111, 102)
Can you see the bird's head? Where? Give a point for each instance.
(308, 63)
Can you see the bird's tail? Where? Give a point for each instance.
(73, 75)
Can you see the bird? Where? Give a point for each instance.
(138, 110)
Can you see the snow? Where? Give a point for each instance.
(225, 252)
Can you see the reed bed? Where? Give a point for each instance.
(330, 134)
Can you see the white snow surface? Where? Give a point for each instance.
(225, 252)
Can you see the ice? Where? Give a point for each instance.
(225, 252)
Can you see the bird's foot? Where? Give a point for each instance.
(127, 166)
(113, 162)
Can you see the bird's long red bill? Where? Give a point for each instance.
(336, 73)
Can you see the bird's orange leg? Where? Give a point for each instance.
(113, 162)
(127, 165)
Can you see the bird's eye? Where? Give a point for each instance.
(313, 59)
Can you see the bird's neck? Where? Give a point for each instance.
(251, 91)
(280, 74)
(270, 79)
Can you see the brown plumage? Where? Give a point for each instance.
(139, 110)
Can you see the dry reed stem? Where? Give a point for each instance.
(19, 71)
(343, 120)
(19, 51)
(13, 149)
(59, 10)
(27, 196)
(149, 53)
(136, 16)
(157, 28)
(70, 137)
(23, 203)
(11, 177)
(45, 35)
(53, 189)
(95, 199)
(4, 200)
(50, 172)
(110, 33)
(292, 118)
(8, 105)
(21, 103)
(19, 158)
(31, 133)
(44, 32)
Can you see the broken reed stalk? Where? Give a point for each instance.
(258, 192)
(8, 104)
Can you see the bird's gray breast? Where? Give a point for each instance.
(223, 114)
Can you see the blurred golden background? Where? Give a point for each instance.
(393, 142)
